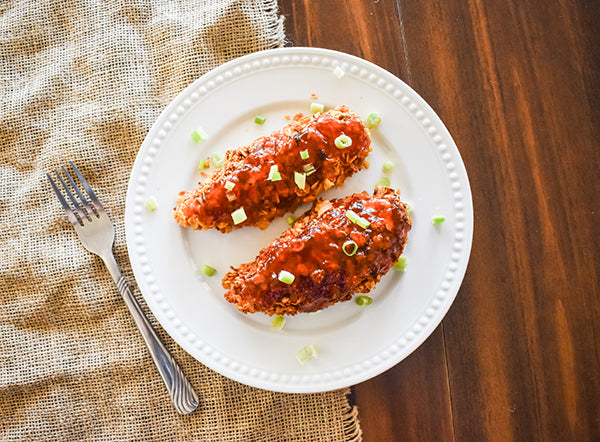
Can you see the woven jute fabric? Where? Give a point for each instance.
(84, 80)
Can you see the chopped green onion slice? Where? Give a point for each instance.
(151, 204)
(217, 159)
(309, 169)
(338, 72)
(286, 277)
(306, 353)
(304, 154)
(363, 223)
(290, 219)
(278, 322)
(408, 208)
(363, 300)
(356, 219)
(383, 182)
(229, 185)
(350, 247)
(208, 270)
(274, 174)
(300, 180)
(438, 219)
(343, 141)
(387, 166)
(198, 135)
(373, 120)
(203, 164)
(316, 108)
(259, 119)
(400, 265)
(239, 216)
(231, 196)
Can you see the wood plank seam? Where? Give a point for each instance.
(404, 45)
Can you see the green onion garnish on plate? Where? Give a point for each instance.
(217, 159)
(198, 135)
(356, 219)
(315, 108)
(203, 164)
(350, 247)
(373, 120)
(278, 322)
(400, 265)
(343, 141)
(239, 216)
(338, 72)
(300, 180)
(274, 174)
(309, 169)
(286, 277)
(306, 353)
(208, 270)
(383, 182)
(151, 204)
(363, 300)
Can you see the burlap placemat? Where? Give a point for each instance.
(84, 80)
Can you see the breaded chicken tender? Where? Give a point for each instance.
(338, 248)
(277, 173)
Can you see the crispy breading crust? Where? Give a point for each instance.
(210, 205)
(312, 251)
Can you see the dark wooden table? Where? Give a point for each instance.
(517, 83)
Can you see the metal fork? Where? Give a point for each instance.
(97, 233)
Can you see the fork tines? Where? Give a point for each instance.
(81, 208)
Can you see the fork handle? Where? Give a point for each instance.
(181, 391)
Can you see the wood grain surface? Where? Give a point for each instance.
(517, 83)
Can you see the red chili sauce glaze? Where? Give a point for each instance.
(211, 204)
(312, 250)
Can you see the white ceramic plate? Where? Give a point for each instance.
(354, 343)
